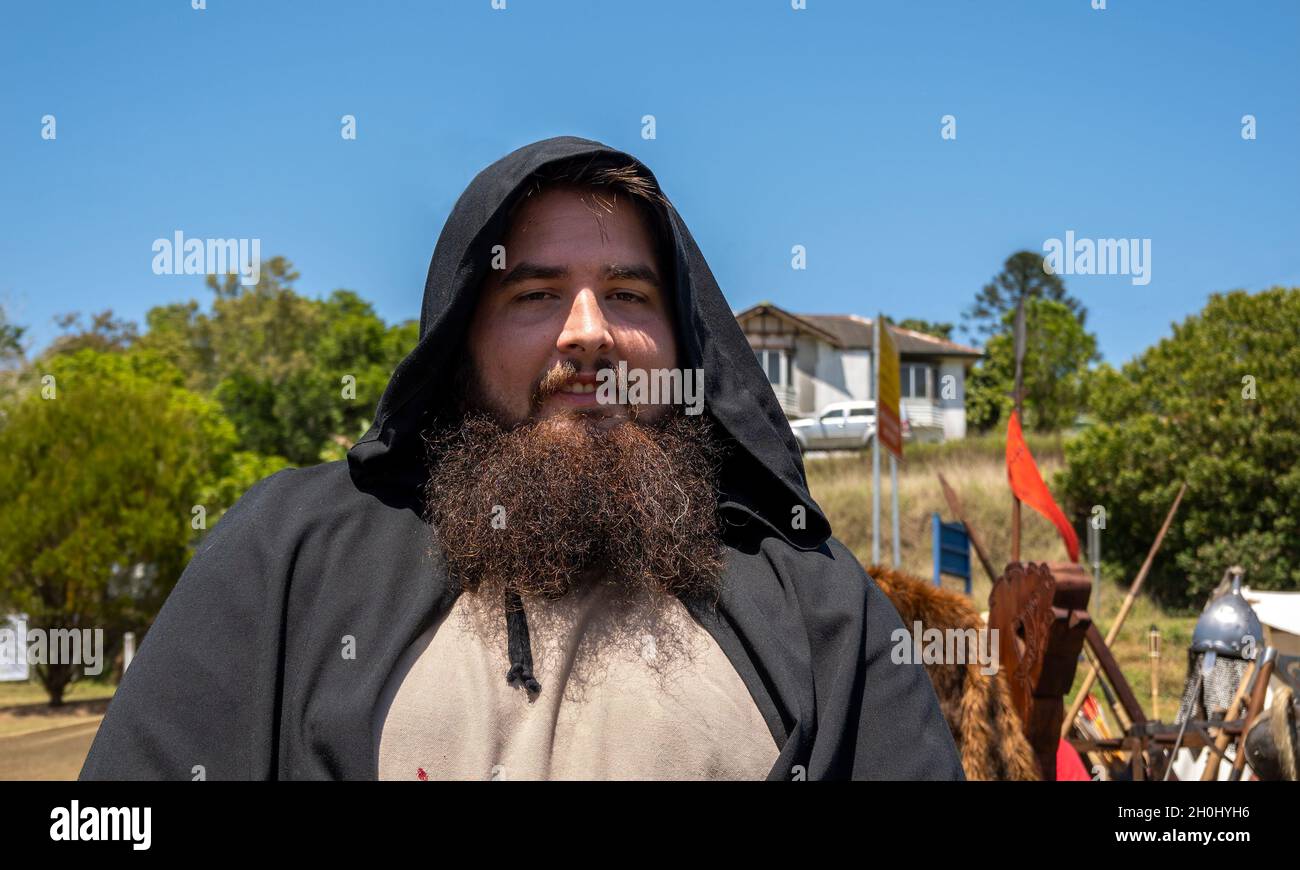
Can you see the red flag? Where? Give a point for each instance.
(1027, 485)
(1069, 767)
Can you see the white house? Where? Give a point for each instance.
(815, 359)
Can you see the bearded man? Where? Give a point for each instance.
(527, 569)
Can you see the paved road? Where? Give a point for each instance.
(55, 753)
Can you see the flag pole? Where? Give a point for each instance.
(893, 492)
(875, 446)
(1020, 355)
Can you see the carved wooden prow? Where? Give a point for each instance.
(1070, 625)
(1020, 608)
(1040, 612)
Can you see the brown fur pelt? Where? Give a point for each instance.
(984, 725)
(1282, 722)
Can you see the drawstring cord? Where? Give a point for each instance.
(521, 650)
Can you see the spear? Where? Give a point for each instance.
(1257, 696)
(1153, 638)
(954, 504)
(1123, 610)
(1020, 356)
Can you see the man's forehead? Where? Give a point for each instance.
(568, 211)
(568, 228)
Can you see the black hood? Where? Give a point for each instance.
(763, 477)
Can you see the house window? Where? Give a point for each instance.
(774, 363)
(916, 380)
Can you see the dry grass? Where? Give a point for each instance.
(975, 468)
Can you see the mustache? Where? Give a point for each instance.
(560, 375)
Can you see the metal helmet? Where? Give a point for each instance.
(1229, 626)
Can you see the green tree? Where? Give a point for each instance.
(11, 340)
(107, 455)
(1023, 276)
(12, 359)
(104, 332)
(1055, 374)
(1217, 405)
(298, 377)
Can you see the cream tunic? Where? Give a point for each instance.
(631, 689)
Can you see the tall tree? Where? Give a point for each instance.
(1058, 351)
(1023, 276)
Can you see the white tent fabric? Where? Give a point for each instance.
(1280, 614)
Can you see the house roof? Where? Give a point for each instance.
(850, 331)
(800, 323)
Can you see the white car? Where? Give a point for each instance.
(839, 426)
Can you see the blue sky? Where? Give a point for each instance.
(775, 127)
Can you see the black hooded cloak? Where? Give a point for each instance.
(242, 673)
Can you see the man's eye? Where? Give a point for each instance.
(533, 296)
(627, 296)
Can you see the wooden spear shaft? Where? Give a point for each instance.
(954, 504)
(1154, 641)
(1253, 708)
(1020, 414)
(1115, 626)
(1015, 529)
(1015, 499)
(1146, 567)
(1120, 724)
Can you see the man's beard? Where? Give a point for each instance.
(544, 506)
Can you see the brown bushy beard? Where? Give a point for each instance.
(543, 506)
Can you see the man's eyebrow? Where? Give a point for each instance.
(631, 272)
(527, 271)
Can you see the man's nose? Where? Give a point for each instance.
(585, 330)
